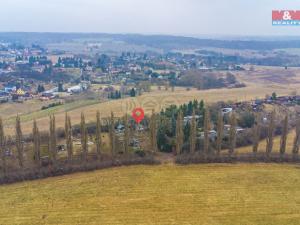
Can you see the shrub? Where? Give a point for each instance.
(140, 153)
(52, 105)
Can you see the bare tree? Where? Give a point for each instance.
(8, 145)
(52, 140)
(112, 135)
(98, 135)
(179, 133)
(69, 137)
(193, 133)
(232, 134)
(256, 134)
(2, 146)
(296, 139)
(36, 144)
(206, 131)
(153, 131)
(284, 135)
(19, 142)
(126, 134)
(47, 139)
(220, 130)
(270, 134)
(84, 137)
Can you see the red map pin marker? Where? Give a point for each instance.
(138, 115)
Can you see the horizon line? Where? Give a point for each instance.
(157, 34)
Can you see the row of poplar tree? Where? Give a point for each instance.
(52, 139)
(208, 148)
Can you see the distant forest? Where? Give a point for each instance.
(156, 41)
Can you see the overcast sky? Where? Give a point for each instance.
(179, 17)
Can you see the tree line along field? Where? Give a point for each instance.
(262, 145)
(185, 140)
(91, 117)
(42, 157)
(166, 194)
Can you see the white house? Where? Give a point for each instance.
(187, 119)
(75, 89)
(226, 110)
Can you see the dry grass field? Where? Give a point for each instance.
(258, 85)
(276, 147)
(167, 194)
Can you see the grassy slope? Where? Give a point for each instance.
(154, 100)
(276, 144)
(257, 87)
(166, 194)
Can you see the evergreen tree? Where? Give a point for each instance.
(36, 144)
(162, 137)
(193, 133)
(232, 134)
(220, 130)
(274, 96)
(60, 87)
(284, 135)
(59, 61)
(201, 105)
(132, 93)
(98, 135)
(173, 124)
(84, 137)
(270, 135)
(19, 142)
(179, 133)
(40, 88)
(206, 131)
(190, 108)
